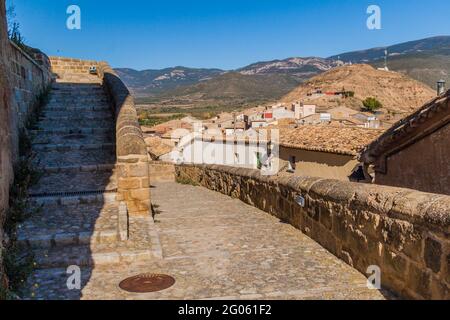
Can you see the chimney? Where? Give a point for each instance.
(440, 87)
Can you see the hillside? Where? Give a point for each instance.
(425, 60)
(151, 82)
(424, 67)
(300, 68)
(230, 90)
(398, 93)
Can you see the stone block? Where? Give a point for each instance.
(419, 281)
(433, 254)
(326, 216)
(129, 183)
(106, 258)
(394, 264)
(140, 194)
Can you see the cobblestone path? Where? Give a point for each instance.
(218, 248)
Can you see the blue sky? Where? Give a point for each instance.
(228, 34)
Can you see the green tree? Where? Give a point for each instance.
(14, 28)
(372, 104)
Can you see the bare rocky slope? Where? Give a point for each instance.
(397, 92)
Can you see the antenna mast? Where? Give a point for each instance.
(385, 60)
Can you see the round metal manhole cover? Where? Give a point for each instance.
(145, 283)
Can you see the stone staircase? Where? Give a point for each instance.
(76, 219)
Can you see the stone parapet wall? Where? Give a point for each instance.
(133, 178)
(162, 171)
(404, 232)
(62, 66)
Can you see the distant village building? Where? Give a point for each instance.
(302, 111)
(282, 113)
(259, 124)
(415, 152)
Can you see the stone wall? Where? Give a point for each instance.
(5, 137)
(423, 165)
(161, 171)
(404, 232)
(28, 80)
(22, 81)
(68, 66)
(133, 178)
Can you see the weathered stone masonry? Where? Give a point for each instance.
(133, 178)
(22, 80)
(404, 232)
(132, 157)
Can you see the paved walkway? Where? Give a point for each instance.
(217, 248)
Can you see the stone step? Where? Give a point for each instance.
(47, 124)
(73, 130)
(73, 147)
(74, 89)
(74, 200)
(70, 182)
(74, 158)
(58, 95)
(84, 256)
(75, 86)
(76, 117)
(78, 80)
(76, 169)
(84, 108)
(69, 114)
(64, 224)
(78, 101)
(83, 139)
(138, 242)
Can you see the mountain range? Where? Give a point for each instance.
(426, 60)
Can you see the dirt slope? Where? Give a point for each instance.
(397, 92)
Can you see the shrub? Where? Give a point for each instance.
(372, 104)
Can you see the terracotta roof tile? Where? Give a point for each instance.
(341, 140)
(156, 147)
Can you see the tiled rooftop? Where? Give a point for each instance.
(342, 140)
(156, 146)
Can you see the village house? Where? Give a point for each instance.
(164, 128)
(249, 151)
(324, 151)
(301, 111)
(415, 152)
(259, 124)
(320, 151)
(282, 113)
